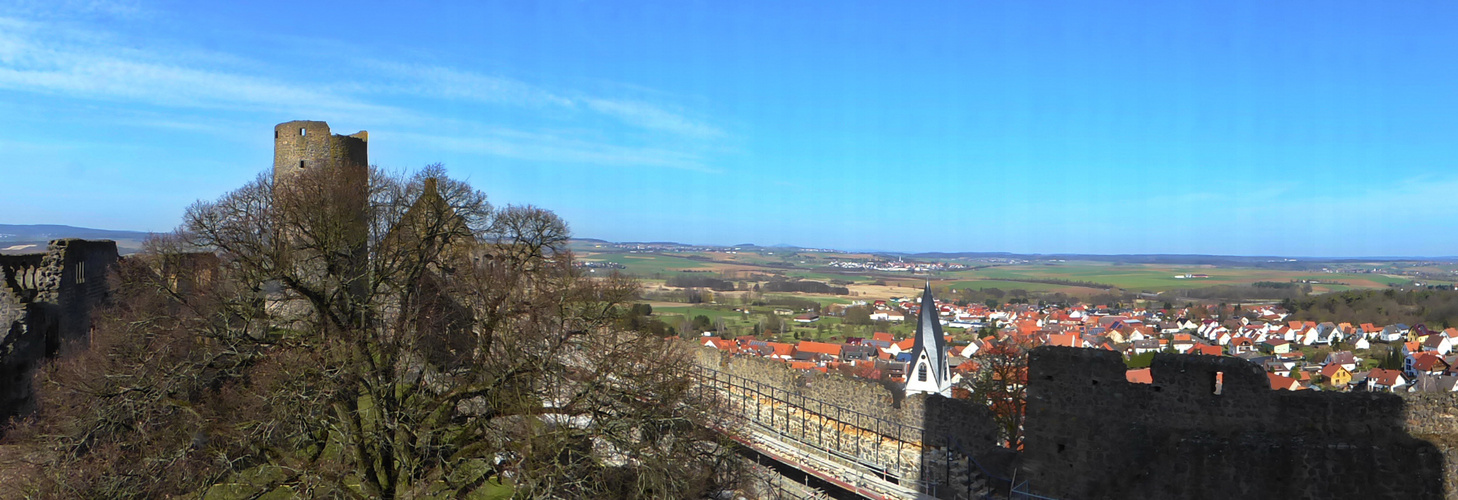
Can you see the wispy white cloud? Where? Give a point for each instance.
(79, 68)
(449, 83)
(72, 61)
(553, 148)
(652, 117)
(121, 9)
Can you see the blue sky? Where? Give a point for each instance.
(1269, 128)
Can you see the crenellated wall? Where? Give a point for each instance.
(1091, 434)
(1207, 428)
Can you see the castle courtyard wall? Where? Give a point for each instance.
(1091, 434)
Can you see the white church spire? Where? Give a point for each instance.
(929, 372)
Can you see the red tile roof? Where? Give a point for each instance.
(1065, 340)
(1279, 382)
(721, 344)
(818, 347)
(1384, 377)
(1428, 361)
(1208, 350)
(782, 349)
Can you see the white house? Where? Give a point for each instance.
(1438, 343)
(888, 315)
(971, 349)
(1393, 333)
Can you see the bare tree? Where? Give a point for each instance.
(403, 339)
(999, 380)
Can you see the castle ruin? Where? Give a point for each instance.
(46, 300)
(1212, 427)
(303, 145)
(320, 174)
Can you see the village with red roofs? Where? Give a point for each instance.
(1296, 355)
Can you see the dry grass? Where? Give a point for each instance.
(16, 463)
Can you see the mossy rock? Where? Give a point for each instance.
(494, 489)
(231, 491)
(280, 493)
(469, 472)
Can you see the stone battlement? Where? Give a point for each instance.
(1211, 427)
(1207, 427)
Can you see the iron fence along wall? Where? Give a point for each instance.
(893, 450)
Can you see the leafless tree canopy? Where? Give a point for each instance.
(412, 342)
(999, 380)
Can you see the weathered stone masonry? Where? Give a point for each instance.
(938, 424)
(1091, 434)
(46, 299)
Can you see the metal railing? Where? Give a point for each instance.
(849, 434)
(873, 444)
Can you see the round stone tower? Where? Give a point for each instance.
(300, 145)
(337, 183)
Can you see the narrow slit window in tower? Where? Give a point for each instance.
(301, 163)
(1219, 382)
(303, 131)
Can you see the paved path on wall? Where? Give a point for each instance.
(850, 473)
(820, 463)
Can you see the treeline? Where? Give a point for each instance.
(1238, 293)
(692, 281)
(805, 287)
(687, 295)
(639, 317)
(795, 303)
(1057, 281)
(1436, 308)
(776, 284)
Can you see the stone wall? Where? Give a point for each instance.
(942, 420)
(340, 169)
(929, 426)
(1433, 417)
(12, 318)
(1091, 434)
(299, 145)
(46, 299)
(23, 275)
(84, 265)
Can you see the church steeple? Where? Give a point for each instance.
(929, 371)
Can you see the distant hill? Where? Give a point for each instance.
(28, 238)
(1263, 261)
(1176, 259)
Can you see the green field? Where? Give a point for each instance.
(1124, 277)
(647, 265)
(1140, 277)
(827, 277)
(1017, 285)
